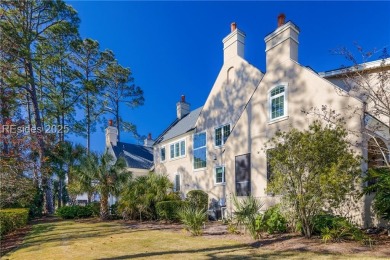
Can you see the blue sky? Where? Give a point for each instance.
(175, 48)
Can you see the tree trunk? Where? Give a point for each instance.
(104, 206)
(48, 202)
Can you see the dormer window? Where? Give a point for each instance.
(277, 102)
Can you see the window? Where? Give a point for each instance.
(277, 102)
(221, 135)
(243, 175)
(162, 153)
(176, 186)
(200, 150)
(178, 149)
(220, 175)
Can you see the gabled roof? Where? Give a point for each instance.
(137, 156)
(180, 126)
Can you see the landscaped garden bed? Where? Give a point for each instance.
(94, 239)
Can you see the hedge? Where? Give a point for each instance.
(70, 212)
(11, 219)
(168, 210)
(198, 199)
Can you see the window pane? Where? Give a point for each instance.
(277, 90)
(243, 175)
(182, 148)
(218, 136)
(200, 158)
(172, 151)
(199, 140)
(226, 132)
(177, 149)
(177, 182)
(219, 175)
(163, 154)
(277, 107)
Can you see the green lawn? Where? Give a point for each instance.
(113, 240)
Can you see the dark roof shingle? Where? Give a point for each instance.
(179, 127)
(137, 156)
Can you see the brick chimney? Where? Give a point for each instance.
(234, 43)
(182, 108)
(281, 44)
(148, 142)
(111, 134)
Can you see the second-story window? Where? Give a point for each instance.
(162, 153)
(277, 100)
(178, 149)
(200, 150)
(221, 134)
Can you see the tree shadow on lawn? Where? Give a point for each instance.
(221, 249)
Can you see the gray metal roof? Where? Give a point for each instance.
(137, 156)
(179, 127)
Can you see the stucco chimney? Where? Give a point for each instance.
(148, 142)
(111, 134)
(234, 43)
(281, 44)
(182, 108)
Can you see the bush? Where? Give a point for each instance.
(70, 212)
(11, 219)
(193, 219)
(168, 210)
(336, 229)
(198, 199)
(272, 221)
(246, 213)
(95, 208)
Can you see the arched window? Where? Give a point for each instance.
(277, 102)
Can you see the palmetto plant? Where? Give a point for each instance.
(193, 218)
(105, 176)
(246, 212)
(140, 196)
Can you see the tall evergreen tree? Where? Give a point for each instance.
(120, 89)
(23, 25)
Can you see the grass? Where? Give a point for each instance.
(113, 240)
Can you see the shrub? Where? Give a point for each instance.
(198, 199)
(95, 208)
(193, 219)
(76, 211)
(168, 210)
(272, 221)
(11, 219)
(336, 229)
(246, 213)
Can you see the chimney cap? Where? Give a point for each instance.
(233, 26)
(281, 19)
(110, 123)
(183, 98)
(149, 136)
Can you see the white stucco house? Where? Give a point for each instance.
(218, 148)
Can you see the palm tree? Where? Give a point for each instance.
(104, 175)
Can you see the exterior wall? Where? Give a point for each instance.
(305, 90)
(232, 90)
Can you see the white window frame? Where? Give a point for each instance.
(224, 175)
(215, 137)
(285, 102)
(193, 149)
(174, 144)
(163, 147)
